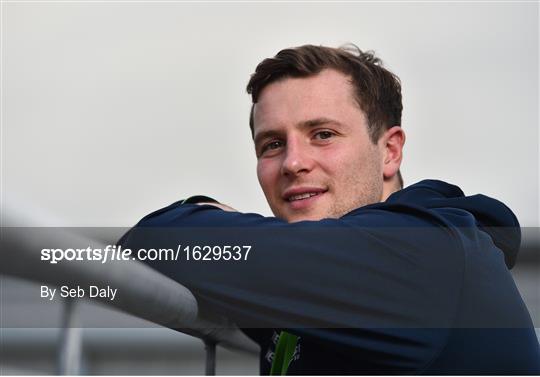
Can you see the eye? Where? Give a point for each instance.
(271, 146)
(322, 135)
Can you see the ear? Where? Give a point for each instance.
(391, 144)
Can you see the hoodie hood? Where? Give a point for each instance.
(491, 216)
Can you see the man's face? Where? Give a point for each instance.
(315, 157)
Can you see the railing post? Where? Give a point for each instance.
(69, 357)
(210, 348)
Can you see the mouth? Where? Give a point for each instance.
(303, 198)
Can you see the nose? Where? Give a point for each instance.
(297, 159)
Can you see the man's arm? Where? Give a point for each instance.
(367, 269)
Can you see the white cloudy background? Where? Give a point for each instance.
(113, 109)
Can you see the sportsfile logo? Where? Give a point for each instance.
(110, 252)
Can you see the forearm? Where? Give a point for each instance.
(306, 273)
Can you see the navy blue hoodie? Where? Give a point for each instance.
(416, 284)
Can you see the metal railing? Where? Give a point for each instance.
(166, 302)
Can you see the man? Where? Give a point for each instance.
(354, 274)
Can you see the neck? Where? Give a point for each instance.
(389, 187)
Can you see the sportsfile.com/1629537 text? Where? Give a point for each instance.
(118, 253)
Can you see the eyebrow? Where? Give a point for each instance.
(318, 122)
(304, 124)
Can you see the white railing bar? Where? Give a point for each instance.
(70, 347)
(145, 293)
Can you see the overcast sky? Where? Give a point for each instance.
(112, 110)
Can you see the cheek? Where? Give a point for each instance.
(266, 174)
(354, 167)
(339, 162)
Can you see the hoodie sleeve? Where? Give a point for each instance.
(392, 266)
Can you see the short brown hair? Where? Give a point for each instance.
(377, 90)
